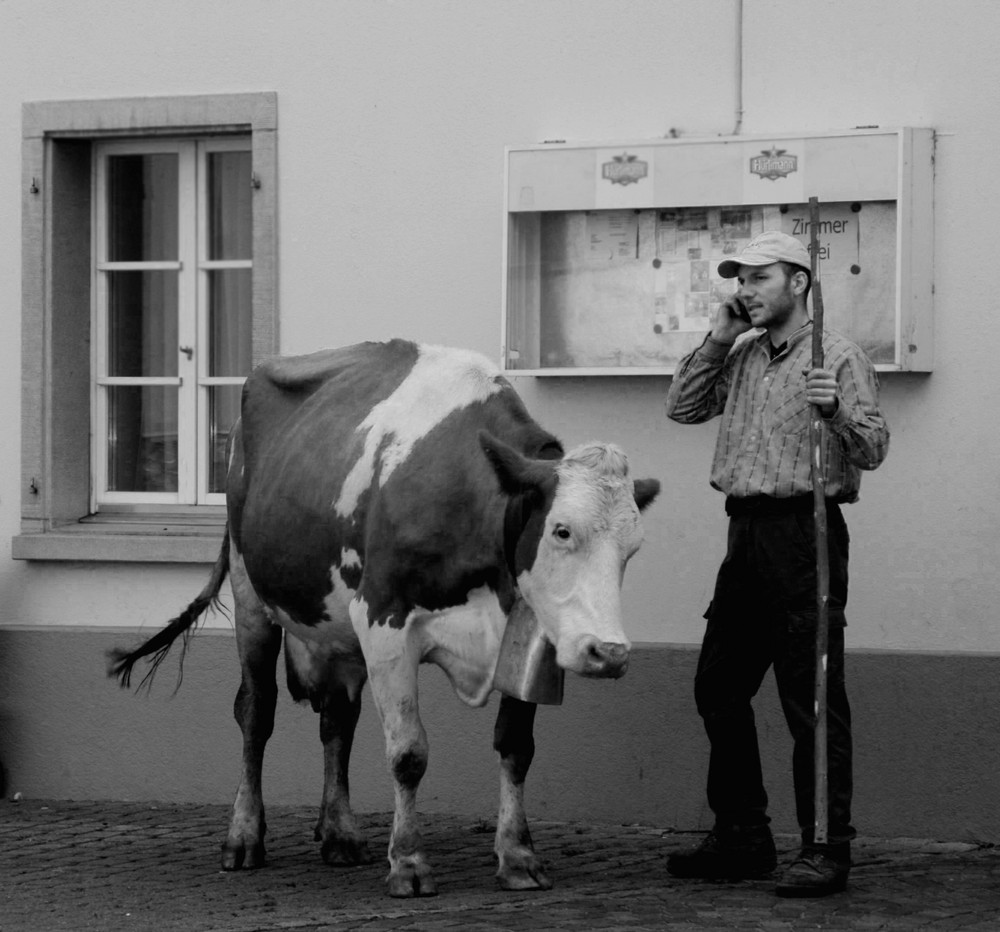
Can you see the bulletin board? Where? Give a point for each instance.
(633, 286)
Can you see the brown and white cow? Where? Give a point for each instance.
(387, 505)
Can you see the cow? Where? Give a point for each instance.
(389, 504)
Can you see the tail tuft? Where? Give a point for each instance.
(121, 662)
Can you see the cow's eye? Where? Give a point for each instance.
(561, 532)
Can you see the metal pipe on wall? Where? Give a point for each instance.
(739, 68)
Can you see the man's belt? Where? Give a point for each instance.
(770, 505)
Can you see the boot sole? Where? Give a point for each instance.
(804, 891)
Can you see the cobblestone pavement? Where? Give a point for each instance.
(136, 866)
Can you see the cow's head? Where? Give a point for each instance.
(571, 527)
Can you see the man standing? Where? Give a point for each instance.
(763, 609)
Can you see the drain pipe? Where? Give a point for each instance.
(739, 68)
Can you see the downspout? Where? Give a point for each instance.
(739, 68)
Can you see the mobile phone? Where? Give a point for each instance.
(741, 309)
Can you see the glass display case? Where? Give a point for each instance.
(611, 250)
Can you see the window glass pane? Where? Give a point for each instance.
(230, 318)
(142, 323)
(142, 438)
(224, 408)
(142, 207)
(229, 209)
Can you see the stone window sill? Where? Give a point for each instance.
(124, 542)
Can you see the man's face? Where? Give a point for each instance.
(767, 292)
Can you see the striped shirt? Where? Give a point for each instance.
(763, 446)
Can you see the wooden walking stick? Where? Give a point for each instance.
(822, 550)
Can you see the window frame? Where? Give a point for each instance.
(193, 265)
(57, 520)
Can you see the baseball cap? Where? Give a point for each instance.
(766, 249)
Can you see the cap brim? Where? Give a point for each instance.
(730, 268)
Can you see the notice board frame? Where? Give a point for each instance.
(578, 194)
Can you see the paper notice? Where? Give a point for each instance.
(613, 234)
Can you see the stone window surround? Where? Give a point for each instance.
(57, 139)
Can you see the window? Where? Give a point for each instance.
(173, 275)
(149, 293)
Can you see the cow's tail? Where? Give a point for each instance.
(121, 662)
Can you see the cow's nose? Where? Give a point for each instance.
(606, 659)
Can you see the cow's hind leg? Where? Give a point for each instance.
(519, 868)
(259, 642)
(337, 829)
(331, 678)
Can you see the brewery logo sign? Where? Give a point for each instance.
(774, 163)
(625, 169)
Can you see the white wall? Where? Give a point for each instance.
(392, 121)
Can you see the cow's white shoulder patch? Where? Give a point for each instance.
(441, 381)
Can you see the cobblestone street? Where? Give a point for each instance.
(135, 866)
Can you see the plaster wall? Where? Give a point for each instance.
(392, 121)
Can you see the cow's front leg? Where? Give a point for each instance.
(259, 642)
(393, 675)
(337, 829)
(519, 868)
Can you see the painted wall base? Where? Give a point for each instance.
(927, 730)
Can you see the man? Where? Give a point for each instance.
(763, 610)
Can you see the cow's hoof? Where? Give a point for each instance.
(524, 873)
(236, 855)
(343, 850)
(411, 880)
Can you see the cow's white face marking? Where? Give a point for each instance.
(591, 531)
(441, 381)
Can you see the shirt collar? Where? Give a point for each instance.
(794, 338)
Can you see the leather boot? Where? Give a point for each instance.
(727, 853)
(819, 870)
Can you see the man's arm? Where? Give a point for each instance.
(848, 400)
(701, 383)
(698, 390)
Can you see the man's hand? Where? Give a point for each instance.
(730, 322)
(821, 390)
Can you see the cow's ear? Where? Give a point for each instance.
(516, 472)
(646, 491)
